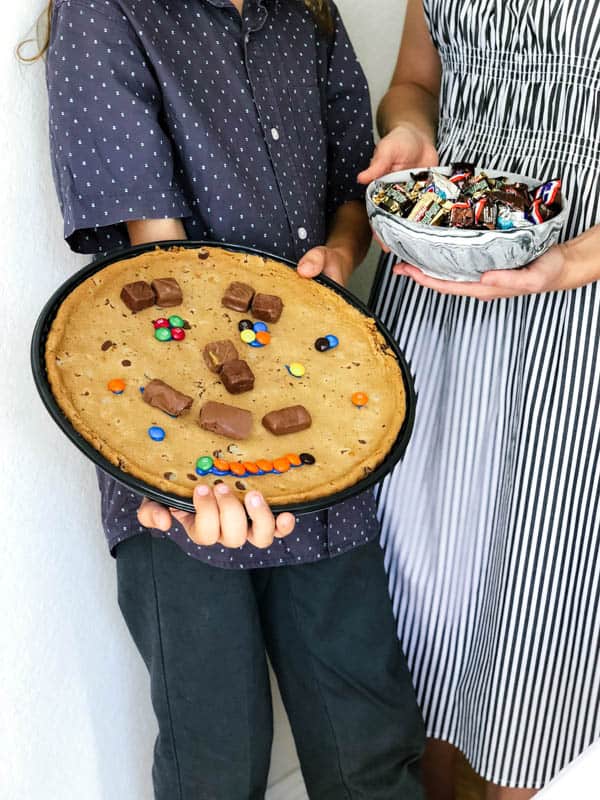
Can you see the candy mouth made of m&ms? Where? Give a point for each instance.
(206, 465)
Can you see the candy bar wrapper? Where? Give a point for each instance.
(393, 199)
(486, 213)
(476, 186)
(549, 193)
(509, 218)
(430, 209)
(444, 187)
(539, 212)
(462, 215)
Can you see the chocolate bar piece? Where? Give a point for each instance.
(238, 296)
(168, 292)
(267, 307)
(237, 376)
(218, 353)
(287, 420)
(160, 395)
(229, 421)
(137, 295)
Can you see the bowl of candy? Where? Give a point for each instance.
(457, 222)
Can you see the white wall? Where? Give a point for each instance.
(75, 717)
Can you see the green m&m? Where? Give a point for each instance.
(176, 322)
(204, 465)
(163, 334)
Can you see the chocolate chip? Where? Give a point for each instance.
(126, 362)
(107, 345)
(202, 255)
(361, 441)
(192, 477)
(241, 486)
(169, 475)
(218, 481)
(186, 325)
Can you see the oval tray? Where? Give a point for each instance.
(38, 365)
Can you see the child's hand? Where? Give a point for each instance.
(220, 518)
(334, 262)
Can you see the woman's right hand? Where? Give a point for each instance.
(404, 147)
(221, 518)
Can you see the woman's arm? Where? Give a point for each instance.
(407, 117)
(346, 246)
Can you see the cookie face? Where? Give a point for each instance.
(100, 356)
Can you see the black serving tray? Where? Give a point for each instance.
(38, 365)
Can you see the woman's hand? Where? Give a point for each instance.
(406, 146)
(552, 272)
(334, 262)
(220, 518)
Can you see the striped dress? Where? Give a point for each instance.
(491, 523)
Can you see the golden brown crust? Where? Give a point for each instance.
(94, 336)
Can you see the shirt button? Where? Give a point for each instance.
(275, 134)
(247, 38)
(302, 233)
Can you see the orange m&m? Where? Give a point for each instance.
(116, 386)
(266, 466)
(237, 469)
(360, 399)
(281, 464)
(294, 459)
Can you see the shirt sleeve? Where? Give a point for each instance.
(112, 161)
(349, 120)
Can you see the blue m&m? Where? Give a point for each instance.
(156, 434)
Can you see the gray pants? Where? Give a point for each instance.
(330, 634)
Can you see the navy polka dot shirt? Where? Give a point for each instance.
(250, 129)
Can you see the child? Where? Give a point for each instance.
(246, 123)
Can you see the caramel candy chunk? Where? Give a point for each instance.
(237, 376)
(137, 295)
(267, 307)
(229, 421)
(218, 353)
(238, 296)
(168, 292)
(160, 395)
(287, 420)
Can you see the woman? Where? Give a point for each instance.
(493, 559)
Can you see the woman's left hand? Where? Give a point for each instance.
(549, 273)
(331, 261)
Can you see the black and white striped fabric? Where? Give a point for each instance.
(492, 522)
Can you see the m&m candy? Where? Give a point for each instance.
(248, 336)
(160, 323)
(156, 434)
(260, 326)
(176, 321)
(116, 386)
(204, 465)
(263, 337)
(245, 325)
(322, 344)
(360, 399)
(163, 334)
(178, 334)
(333, 340)
(296, 369)
(307, 459)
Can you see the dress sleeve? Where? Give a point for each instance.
(349, 119)
(112, 160)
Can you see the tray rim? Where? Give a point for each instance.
(42, 384)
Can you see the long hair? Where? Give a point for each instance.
(320, 9)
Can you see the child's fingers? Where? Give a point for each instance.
(312, 263)
(205, 526)
(284, 525)
(153, 515)
(234, 525)
(263, 524)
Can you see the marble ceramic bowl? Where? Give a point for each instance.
(457, 254)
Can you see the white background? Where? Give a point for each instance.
(75, 715)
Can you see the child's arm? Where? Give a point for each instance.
(144, 231)
(346, 246)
